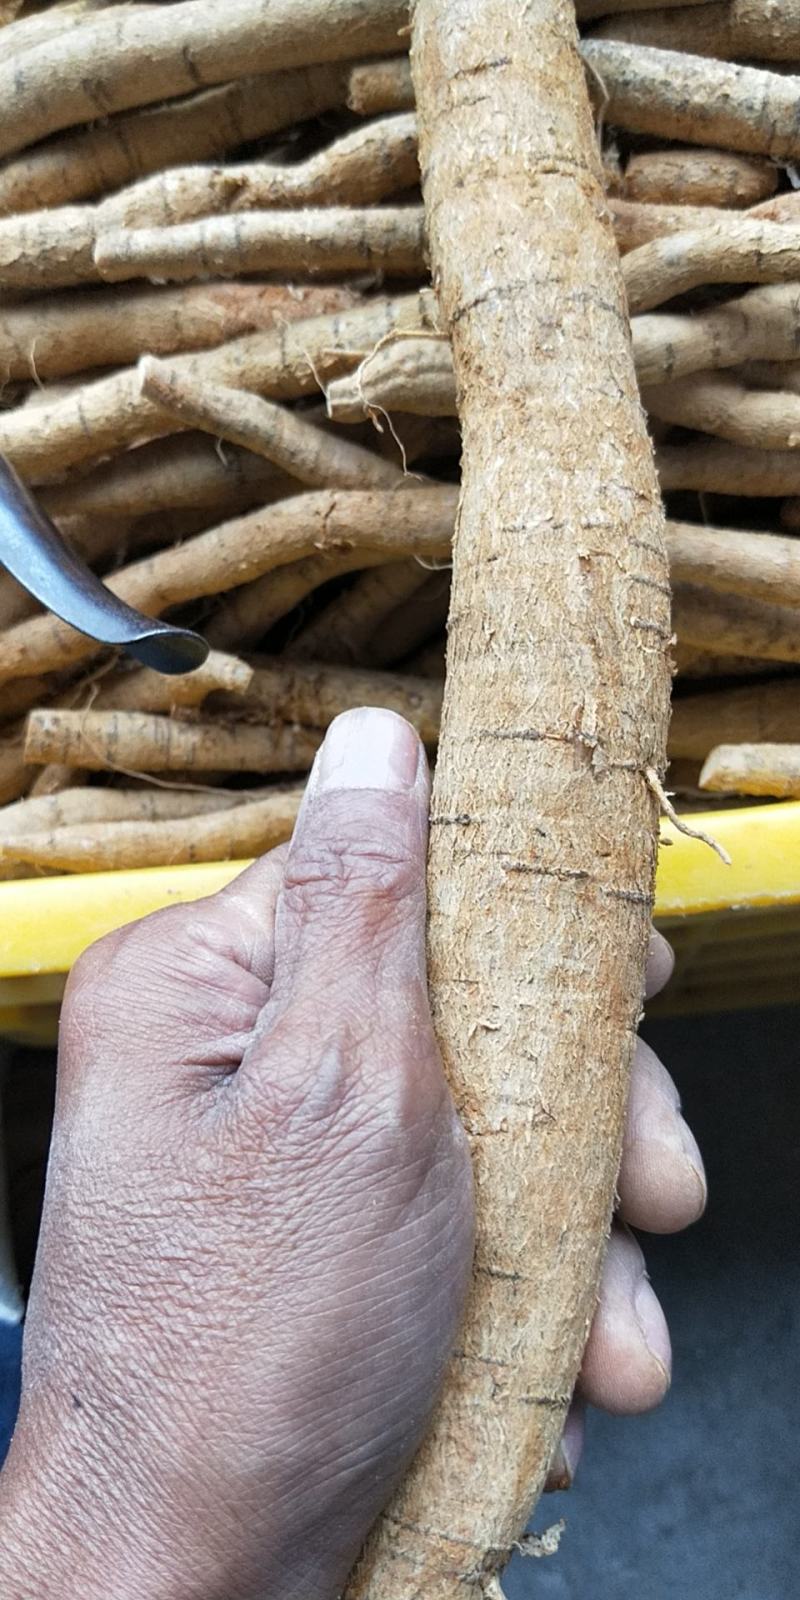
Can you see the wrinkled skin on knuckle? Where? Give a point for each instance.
(360, 881)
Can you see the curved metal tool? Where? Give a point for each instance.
(33, 551)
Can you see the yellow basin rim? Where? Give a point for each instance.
(45, 923)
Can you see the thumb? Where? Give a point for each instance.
(350, 919)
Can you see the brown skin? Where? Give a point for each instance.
(257, 1227)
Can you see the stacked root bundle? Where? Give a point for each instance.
(225, 375)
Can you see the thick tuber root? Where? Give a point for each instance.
(544, 827)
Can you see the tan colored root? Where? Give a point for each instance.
(232, 834)
(329, 240)
(312, 694)
(764, 323)
(785, 207)
(761, 713)
(411, 623)
(737, 250)
(384, 523)
(134, 741)
(142, 59)
(88, 807)
(308, 454)
(637, 223)
(40, 26)
(514, 203)
(176, 474)
(342, 631)
(416, 374)
(731, 30)
(693, 99)
(361, 168)
(379, 86)
(68, 333)
(124, 149)
(246, 615)
(759, 565)
(716, 403)
(110, 413)
(733, 624)
(764, 769)
(716, 467)
(47, 250)
(146, 690)
(403, 374)
(698, 178)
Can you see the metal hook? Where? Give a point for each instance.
(33, 551)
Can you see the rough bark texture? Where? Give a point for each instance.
(767, 30)
(328, 240)
(764, 323)
(694, 99)
(359, 169)
(122, 61)
(121, 149)
(101, 417)
(543, 826)
(313, 694)
(311, 455)
(736, 250)
(68, 333)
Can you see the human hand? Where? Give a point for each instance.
(257, 1229)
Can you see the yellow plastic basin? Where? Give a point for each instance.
(736, 930)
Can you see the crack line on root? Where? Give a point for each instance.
(431, 1533)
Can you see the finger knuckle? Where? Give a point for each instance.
(346, 870)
